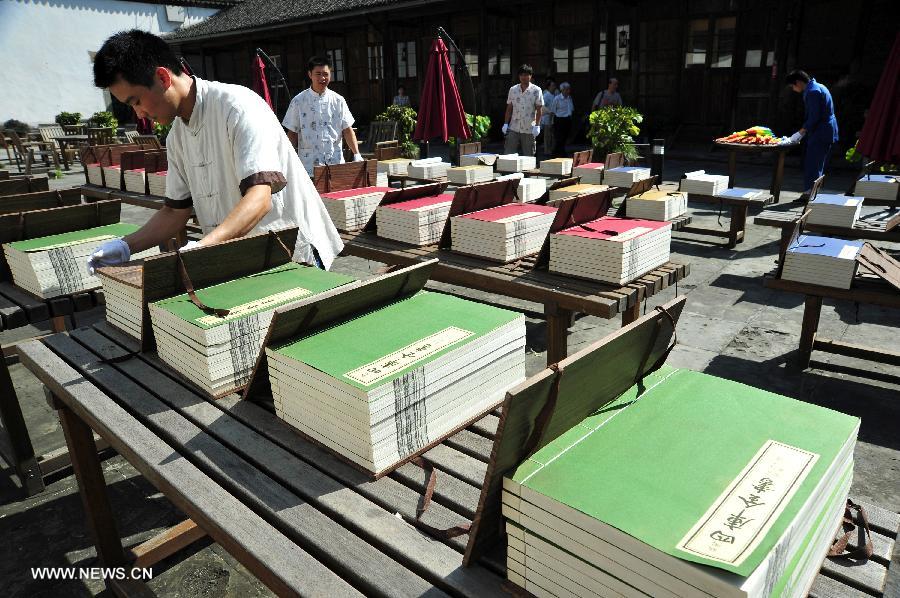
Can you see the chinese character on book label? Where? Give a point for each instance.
(736, 521)
(752, 501)
(763, 485)
(718, 535)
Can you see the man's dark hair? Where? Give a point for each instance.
(525, 69)
(317, 61)
(401, 87)
(134, 55)
(795, 76)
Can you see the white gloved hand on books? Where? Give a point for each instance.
(357, 158)
(191, 245)
(110, 253)
(796, 137)
(535, 130)
(505, 128)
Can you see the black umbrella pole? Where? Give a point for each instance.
(281, 78)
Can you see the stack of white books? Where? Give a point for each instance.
(430, 363)
(878, 186)
(531, 189)
(704, 184)
(515, 163)
(834, 210)
(479, 158)
(394, 166)
(156, 181)
(135, 180)
(753, 518)
(218, 353)
(656, 205)
(57, 264)
(123, 290)
(821, 261)
(505, 233)
(429, 168)
(94, 173)
(590, 173)
(625, 176)
(557, 166)
(743, 193)
(611, 250)
(575, 190)
(113, 176)
(381, 179)
(466, 175)
(417, 221)
(351, 209)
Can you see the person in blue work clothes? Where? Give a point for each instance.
(819, 126)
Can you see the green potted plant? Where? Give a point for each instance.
(161, 131)
(16, 125)
(68, 118)
(612, 130)
(406, 119)
(105, 119)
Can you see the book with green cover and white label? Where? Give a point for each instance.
(687, 485)
(218, 352)
(57, 264)
(383, 385)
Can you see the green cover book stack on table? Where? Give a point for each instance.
(689, 485)
(384, 385)
(218, 353)
(57, 264)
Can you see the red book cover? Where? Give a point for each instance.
(591, 165)
(609, 228)
(354, 192)
(135, 170)
(512, 211)
(422, 203)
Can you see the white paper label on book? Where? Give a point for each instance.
(392, 363)
(630, 234)
(433, 206)
(741, 517)
(521, 216)
(70, 243)
(270, 302)
(848, 252)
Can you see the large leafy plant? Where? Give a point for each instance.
(613, 129)
(16, 125)
(479, 125)
(406, 119)
(104, 119)
(68, 118)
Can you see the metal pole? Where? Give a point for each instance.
(281, 78)
(462, 60)
(657, 151)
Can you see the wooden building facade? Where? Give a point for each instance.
(694, 68)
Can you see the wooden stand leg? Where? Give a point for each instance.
(92, 488)
(778, 176)
(732, 167)
(738, 224)
(558, 322)
(166, 544)
(811, 312)
(21, 453)
(58, 323)
(631, 314)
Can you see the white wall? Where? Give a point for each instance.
(44, 45)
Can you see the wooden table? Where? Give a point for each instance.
(778, 169)
(76, 140)
(561, 296)
(404, 178)
(18, 309)
(297, 517)
(870, 226)
(739, 209)
(154, 202)
(865, 289)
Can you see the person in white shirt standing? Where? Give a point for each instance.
(318, 118)
(562, 109)
(229, 159)
(550, 93)
(523, 113)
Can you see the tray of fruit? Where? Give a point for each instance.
(753, 136)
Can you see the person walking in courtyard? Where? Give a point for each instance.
(820, 127)
(608, 97)
(550, 92)
(523, 113)
(562, 109)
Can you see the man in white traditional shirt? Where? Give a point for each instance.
(561, 109)
(523, 113)
(228, 156)
(318, 118)
(550, 92)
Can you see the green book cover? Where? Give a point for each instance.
(701, 468)
(97, 234)
(399, 338)
(253, 294)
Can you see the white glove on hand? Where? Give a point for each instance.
(796, 137)
(357, 158)
(114, 251)
(535, 130)
(191, 245)
(505, 128)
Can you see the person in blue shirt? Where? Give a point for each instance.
(819, 126)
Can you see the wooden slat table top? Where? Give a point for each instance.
(295, 515)
(18, 308)
(135, 199)
(865, 289)
(732, 201)
(869, 226)
(519, 279)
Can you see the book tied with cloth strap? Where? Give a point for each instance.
(619, 475)
(351, 209)
(429, 364)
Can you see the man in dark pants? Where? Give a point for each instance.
(819, 126)
(562, 109)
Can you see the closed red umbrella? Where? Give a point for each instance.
(260, 85)
(880, 136)
(441, 113)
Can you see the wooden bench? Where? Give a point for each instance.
(297, 517)
(560, 295)
(739, 208)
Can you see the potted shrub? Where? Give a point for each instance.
(406, 119)
(612, 129)
(161, 131)
(17, 125)
(105, 119)
(68, 118)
